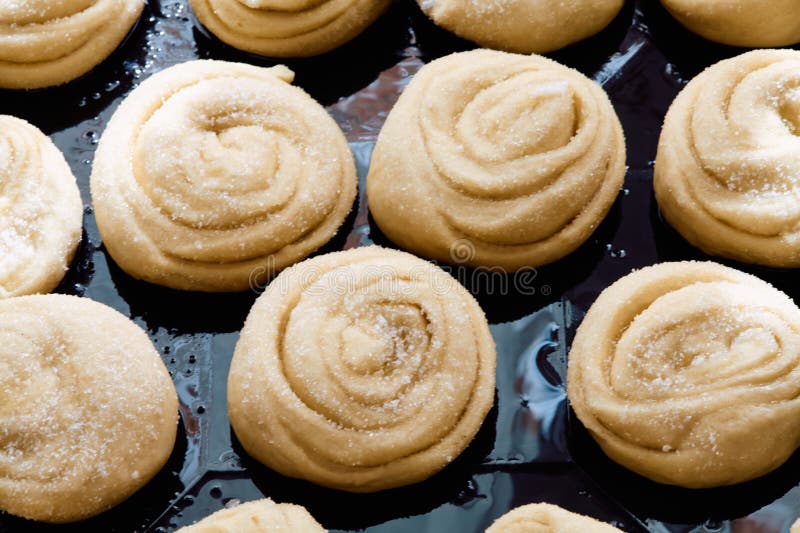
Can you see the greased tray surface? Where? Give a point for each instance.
(530, 448)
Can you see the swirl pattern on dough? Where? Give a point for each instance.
(523, 26)
(44, 43)
(518, 155)
(88, 412)
(257, 517)
(546, 518)
(362, 370)
(689, 374)
(750, 23)
(211, 172)
(729, 157)
(41, 212)
(287, 28)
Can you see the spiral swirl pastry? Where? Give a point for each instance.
(517, 155)
(210, 173)
(41, 212)
(689, 374)
(546, 518)
(45, 43)
(257, 517)
(523, 26)
(287, 28)
(361, 370)
(728, 159)
(750, 23)
(88, 412)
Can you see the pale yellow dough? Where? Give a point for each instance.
(287, 28)
(689, 374)
(211, 176)
(750, 23)
(523, 26)
(261, 516)
(795, 527)
(45, 43)
(362, 370)
(546, 518)
(726, 174)
(41, 212)
(496, 159)
(88, 412)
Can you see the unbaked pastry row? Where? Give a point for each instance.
(361, 370)
(370, 369)
(44, 43)
(406, 378)
(89, 413)
(492, 159)
(215, 176)
(540, 26)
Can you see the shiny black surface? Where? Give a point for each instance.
(531, 448)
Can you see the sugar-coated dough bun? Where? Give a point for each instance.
(496, 159)
(523, 26)
(287, 28)
(751, 23)
(258, 517)
(689, 374)
(212, 175)
(729, 157)
(362, 370)
(546, 518)
(88, 412)
(46, 42)
(41, 212)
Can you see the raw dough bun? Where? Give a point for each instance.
(496, 159)
(362, 370)
(45, 43)
(212, 175)
(524, 26)
(41, 211)
(689, 374)
(258, 517)
(751, 23)
(795, 527)
(88, 412)
(287, 28)
(729, 159)
(546, 518)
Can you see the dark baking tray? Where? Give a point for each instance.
(531, 448)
